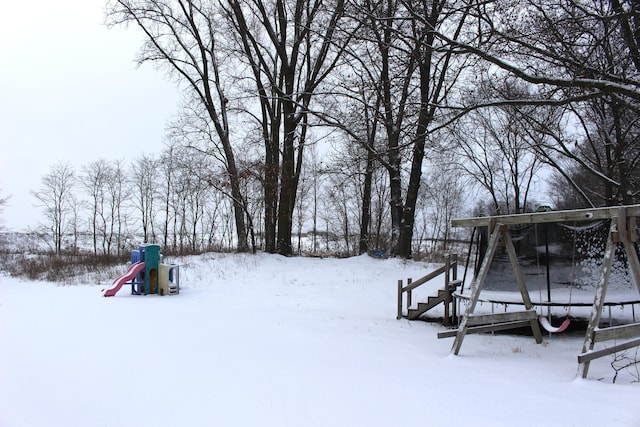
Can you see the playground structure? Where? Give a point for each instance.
(622, 232)
(147, 274)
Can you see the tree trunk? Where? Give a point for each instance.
(287, 183)
(366, 204)
(395, 189)
(271, 172)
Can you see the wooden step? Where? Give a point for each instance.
(423, 307)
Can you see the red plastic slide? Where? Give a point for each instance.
(131, 273)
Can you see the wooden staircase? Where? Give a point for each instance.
(443, 296)
(423, 307)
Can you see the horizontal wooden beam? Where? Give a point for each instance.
(483, 319)
(448, 334)
(487, 328)
(545, 217)
(621, 332)
(596, 354)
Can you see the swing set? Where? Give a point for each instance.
(623, 231)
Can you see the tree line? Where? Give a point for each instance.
(432, 108)
(181, 199)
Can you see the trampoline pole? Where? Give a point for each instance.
(546, 249)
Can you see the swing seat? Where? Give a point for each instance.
(544, 322)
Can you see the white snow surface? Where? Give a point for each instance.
(274, 341)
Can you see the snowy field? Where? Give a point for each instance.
(273, 341)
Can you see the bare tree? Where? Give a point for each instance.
(117, 187)
(344, 187)
(145, 200)
(301, 211)
(580, 54)
(560, 47)
(354, 111)
(167, 172)
(75, 223)
(442, 198)
(500, 150)
(340, 202)
(290, 48)
(413, 72)
(316, 176)
(182, 36)
(192, 193)
(601, 160)
(55, 196)
(94, 180)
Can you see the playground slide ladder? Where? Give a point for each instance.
(172, 289)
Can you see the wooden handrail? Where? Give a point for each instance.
(435, 273)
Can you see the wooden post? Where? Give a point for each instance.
(399, 315)
(477, 287)
(447, 294)
(454, 312)
(513, 257)
(455, 267)
(598, 302)
(409, 296)
(454, 309)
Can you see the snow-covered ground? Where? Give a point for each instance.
(273, 341)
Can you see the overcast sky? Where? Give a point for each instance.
(70, 91)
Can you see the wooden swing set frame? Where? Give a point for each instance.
(623, 230)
